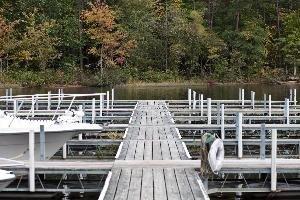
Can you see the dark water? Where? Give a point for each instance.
(278, 92)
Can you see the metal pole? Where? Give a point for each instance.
(65, 151)
(93, 110)
(194, 100)
(240, 93)
(295, 96)
(273, 161)
(31, 162)
(49, 100)
(201, 105)
(107, 99)
(112, 97)
(10, 93)
(243, 97)
(190, 98)
(42, 143)
(15, 107)
(253, 99)
(208, 110)
(6, 97)
(101, 104)
(263, 141)
(32, 106)
(270, 105)
(240, 134)
(287, 110)
(291, 94)
(222, 122)
(265, 101)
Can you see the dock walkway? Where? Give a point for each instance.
(150, 137)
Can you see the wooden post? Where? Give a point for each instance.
(240, 94)
(31, 162)
(222, 122)
(42, 143)
(190, 98)
(273, 161)
(93, 110)
(263, 141)
(49, 100)
(291, 94)
(208, 110)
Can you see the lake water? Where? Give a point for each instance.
(278, 92)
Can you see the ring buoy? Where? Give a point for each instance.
(216, 155)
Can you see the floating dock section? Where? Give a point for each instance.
(150, 139)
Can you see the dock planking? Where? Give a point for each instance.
(151, 136)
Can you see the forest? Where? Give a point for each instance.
(107, 42)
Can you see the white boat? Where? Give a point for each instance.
(14, 137)
(6, 177)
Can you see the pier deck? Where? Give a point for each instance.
(158, 141)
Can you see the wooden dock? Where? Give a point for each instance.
(156, 142)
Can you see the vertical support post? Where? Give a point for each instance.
(295, 96)
(291, 94)
(61, 94)
(253, 99)
(101, 105)
(218, 113)
(240, 134)
(265, 101)
(42, 143)
(243, 97)
(194, 100)
(287, 110)
(37, 102)
(32, 105)
(190, 98)
(270, 105)
(240, 94)
(65, 151)
(208, 110)
(15, 107)
(112, 97)
(6, 97)
(80, 136)
(222, 122)
(201, 105)
(49, 101)
(80, 109)
(93, 110)
(263, 141)
(273, 161)
(107, 99)
(31, 162)
(10, 93)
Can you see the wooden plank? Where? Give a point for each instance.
(160, 192)
(156, 150)
(181, 151)
(131, 150)
(173, 150)
(123, 185)
(124, 150)
(192, 177)
(139, 152)
(171, 184)
(110, 193)
(149, 133)
(147, 185)
(148, 150)
(183, 185)
(165, 150)
(134, 192)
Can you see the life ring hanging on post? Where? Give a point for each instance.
(216, 156)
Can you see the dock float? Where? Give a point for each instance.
(150, 164)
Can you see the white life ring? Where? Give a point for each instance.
(216, 155)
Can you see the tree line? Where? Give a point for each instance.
(150, 40)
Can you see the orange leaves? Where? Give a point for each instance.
(109, 41)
